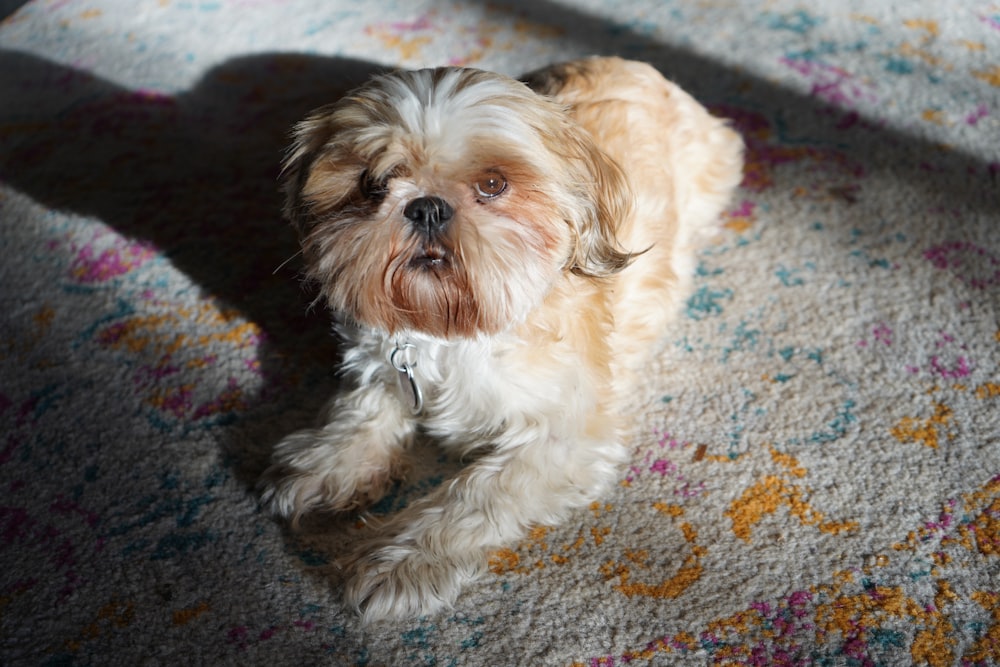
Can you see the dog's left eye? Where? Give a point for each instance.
(491, 185)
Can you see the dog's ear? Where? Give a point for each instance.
(608, 203)
(607, 197)
(309, 137)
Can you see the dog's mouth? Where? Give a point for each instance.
(430, 257)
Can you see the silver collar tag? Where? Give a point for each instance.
(404, 359)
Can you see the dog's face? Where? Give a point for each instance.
(449, 201)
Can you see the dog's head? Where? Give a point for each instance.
(448, 201)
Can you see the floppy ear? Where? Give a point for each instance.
(609, 202)
(308, 139)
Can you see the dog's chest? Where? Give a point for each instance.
(473, 392)
(465, 392)
(461, 386)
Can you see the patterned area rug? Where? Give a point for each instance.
(815, 475)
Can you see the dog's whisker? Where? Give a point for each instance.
(285, 263)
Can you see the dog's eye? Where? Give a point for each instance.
(491, 185)
(371, 187)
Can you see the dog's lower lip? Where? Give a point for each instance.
(430, 258)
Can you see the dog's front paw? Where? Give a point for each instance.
(313, 471)
(396, 581)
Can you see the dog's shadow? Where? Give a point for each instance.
(196, 175)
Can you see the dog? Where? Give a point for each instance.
(500, 257)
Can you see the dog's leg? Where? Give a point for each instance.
(347, 463)
(418, 561)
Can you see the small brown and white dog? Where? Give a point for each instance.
(500, 258)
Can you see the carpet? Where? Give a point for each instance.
(815, 470)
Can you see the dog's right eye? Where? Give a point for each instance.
(371, 187)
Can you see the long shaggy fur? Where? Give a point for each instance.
(564, 214)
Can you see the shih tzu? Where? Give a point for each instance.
(501, 257)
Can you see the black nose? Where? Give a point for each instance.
(428, 214)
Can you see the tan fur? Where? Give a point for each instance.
(682, 165)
